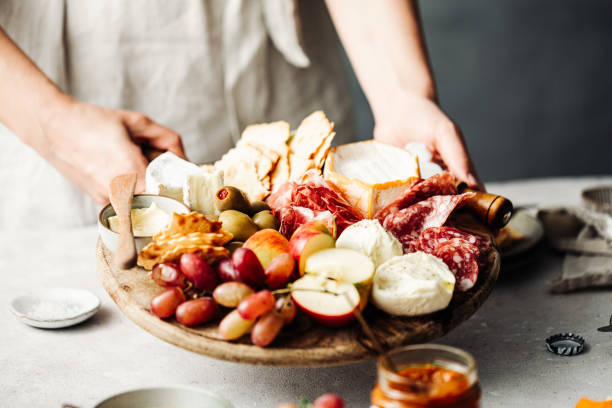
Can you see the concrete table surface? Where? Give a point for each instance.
(108, 354)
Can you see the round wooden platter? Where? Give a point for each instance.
(301, 344)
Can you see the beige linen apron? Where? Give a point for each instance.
(205, 68)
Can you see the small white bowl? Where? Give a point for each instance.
(173, 396)
(55, 308)
(111, 238)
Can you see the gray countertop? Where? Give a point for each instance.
(109, 353)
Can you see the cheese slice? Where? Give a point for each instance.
(166, 175)
(199, 190)
(371, 174)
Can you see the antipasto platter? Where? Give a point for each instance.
(289, 240)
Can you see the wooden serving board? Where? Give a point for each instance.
(301, 344)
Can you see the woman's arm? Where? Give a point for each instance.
(384, 42)
(88, 144)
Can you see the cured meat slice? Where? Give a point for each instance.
(439, 184)
(408, 224)
(461, 258)
(292, 217)
(311, 193)
(433, 237)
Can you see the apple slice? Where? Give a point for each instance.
(267, 245)
(344, 265)
(308, 239)
(329, 309)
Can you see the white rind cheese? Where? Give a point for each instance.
(199, 191)
(413, 284)
(426, 166)
(166, 175)
(372, 240)
(371, 174)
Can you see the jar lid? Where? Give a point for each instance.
(565, 344)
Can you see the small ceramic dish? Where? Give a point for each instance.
(598, 199)
(55, 308)
(530, 228)
(111, 238)
(173, 396)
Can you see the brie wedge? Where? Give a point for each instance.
(413, 284)
(167, 173)
(199, 191)
(371, 174)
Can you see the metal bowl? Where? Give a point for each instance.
(111, 238)
(598, 198)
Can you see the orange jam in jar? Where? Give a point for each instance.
(426, 375)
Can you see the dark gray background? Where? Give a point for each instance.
(529, 82)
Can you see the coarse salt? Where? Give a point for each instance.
(53, 310)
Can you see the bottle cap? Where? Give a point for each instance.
(565, 344)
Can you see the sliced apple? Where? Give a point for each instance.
(344, 265)
(267, 245)
(327, 302)
(307, 240)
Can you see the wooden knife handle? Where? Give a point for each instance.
(493, 210)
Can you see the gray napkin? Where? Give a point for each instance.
(586, 237)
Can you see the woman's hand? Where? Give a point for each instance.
(413, 118)
(90, 145)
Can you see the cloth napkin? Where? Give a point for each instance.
(586, 236)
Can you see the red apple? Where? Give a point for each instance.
(267, 245)
(325, 300)
(308, 239)
(279, 271)
(249, 268)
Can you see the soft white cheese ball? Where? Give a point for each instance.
(372, 240)
(413, 284)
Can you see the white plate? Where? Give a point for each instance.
(529, 227)
(55, 308)
(180, 396)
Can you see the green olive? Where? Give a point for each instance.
(265, 219)
(258, 206)
(234, 245)
(231, 198)
(238, 224)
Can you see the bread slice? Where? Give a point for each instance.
(371, 174)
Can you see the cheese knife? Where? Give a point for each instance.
(493, 210)
(607, 328)
(121, 193)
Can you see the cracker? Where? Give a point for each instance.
(311, 135)
(187, 223)
(154, 253)
(243, 176)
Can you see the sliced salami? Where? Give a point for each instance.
(408, 224)
(433, 237)
(439, 184)
(461, 257)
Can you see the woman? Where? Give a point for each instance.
(111, 72)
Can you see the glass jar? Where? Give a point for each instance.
(426, 375)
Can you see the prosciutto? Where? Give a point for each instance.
(322, 200)
(439, 184)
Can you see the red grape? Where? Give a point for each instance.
(164, 305)
(329, 401)
(258, 304)
(267, 328)
(233, 326)
(226, 270)
(286, 308)
(168, 274)
(198, 271)
(230, 294)
(279, 270)
(196, 311)
(249, 268)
